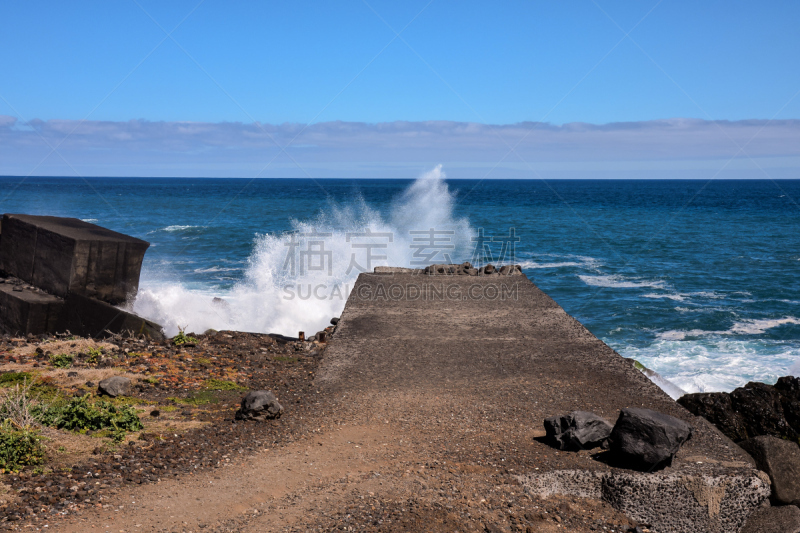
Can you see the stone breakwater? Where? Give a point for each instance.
(520, 361)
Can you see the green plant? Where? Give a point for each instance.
(182, 338)
(19, 447)
(94, 356)
(61, 449)
(12, 378)
(134, 354)
(63, 360)
(80, 415)
(151, 381)
(218, 384)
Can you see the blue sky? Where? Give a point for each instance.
(594, 62)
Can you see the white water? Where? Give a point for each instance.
(271, 299)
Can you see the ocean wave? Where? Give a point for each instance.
(533, 264)
(214, 269)
(676, 297)
(717, 364)
(741, 327)
(756, 327)
(174, 228)
(618, 282)
(275, 293)
(90, 220)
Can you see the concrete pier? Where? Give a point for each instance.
(463, 356)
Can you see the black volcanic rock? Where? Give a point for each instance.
(579, 430)
(643, 439)
(717, 408)
(259, 405)
(780, 459)
(751, 411)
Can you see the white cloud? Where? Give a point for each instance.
(688, 147)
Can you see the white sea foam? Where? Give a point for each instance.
(271, 298)
(214, 269)
(90, 220)
(710, 364)
(756, 327)
(618, 282)
(175, 228)
(668, 296)
(533, 264)
(741, 327)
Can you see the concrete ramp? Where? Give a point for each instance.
(460, 356)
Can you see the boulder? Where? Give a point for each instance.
(751, 411)
(645, 440)
(780, 459)
(115, 386)
(789, 389)
(760, 406)
(579, 430)
(773, 520)
(259, 405)
(717, 408)
(510, 270)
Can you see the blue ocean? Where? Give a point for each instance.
(698, 280)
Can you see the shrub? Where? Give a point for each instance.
(63, 360)
(17, 406)
(12, 378)
(80, 415)
(19, 447)
(182, 338)
(93, 356)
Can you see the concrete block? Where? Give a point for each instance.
(26, 311)
(91, 318)
(67, 255)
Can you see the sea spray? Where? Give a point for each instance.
(298, 280)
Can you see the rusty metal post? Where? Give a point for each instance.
(321, 336)
(302, 335)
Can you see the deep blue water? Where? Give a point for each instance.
(697, 280)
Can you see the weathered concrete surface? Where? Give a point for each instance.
(465, 353)
(92, 318)
(24, 311)
(67, 255)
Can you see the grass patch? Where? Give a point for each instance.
(151, 381)
(286, 359)
(135, 354)
(204, 360)
(12, 378)
(197, 398)
(63, 360)
(219, 384)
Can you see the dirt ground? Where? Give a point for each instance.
(323, 466)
